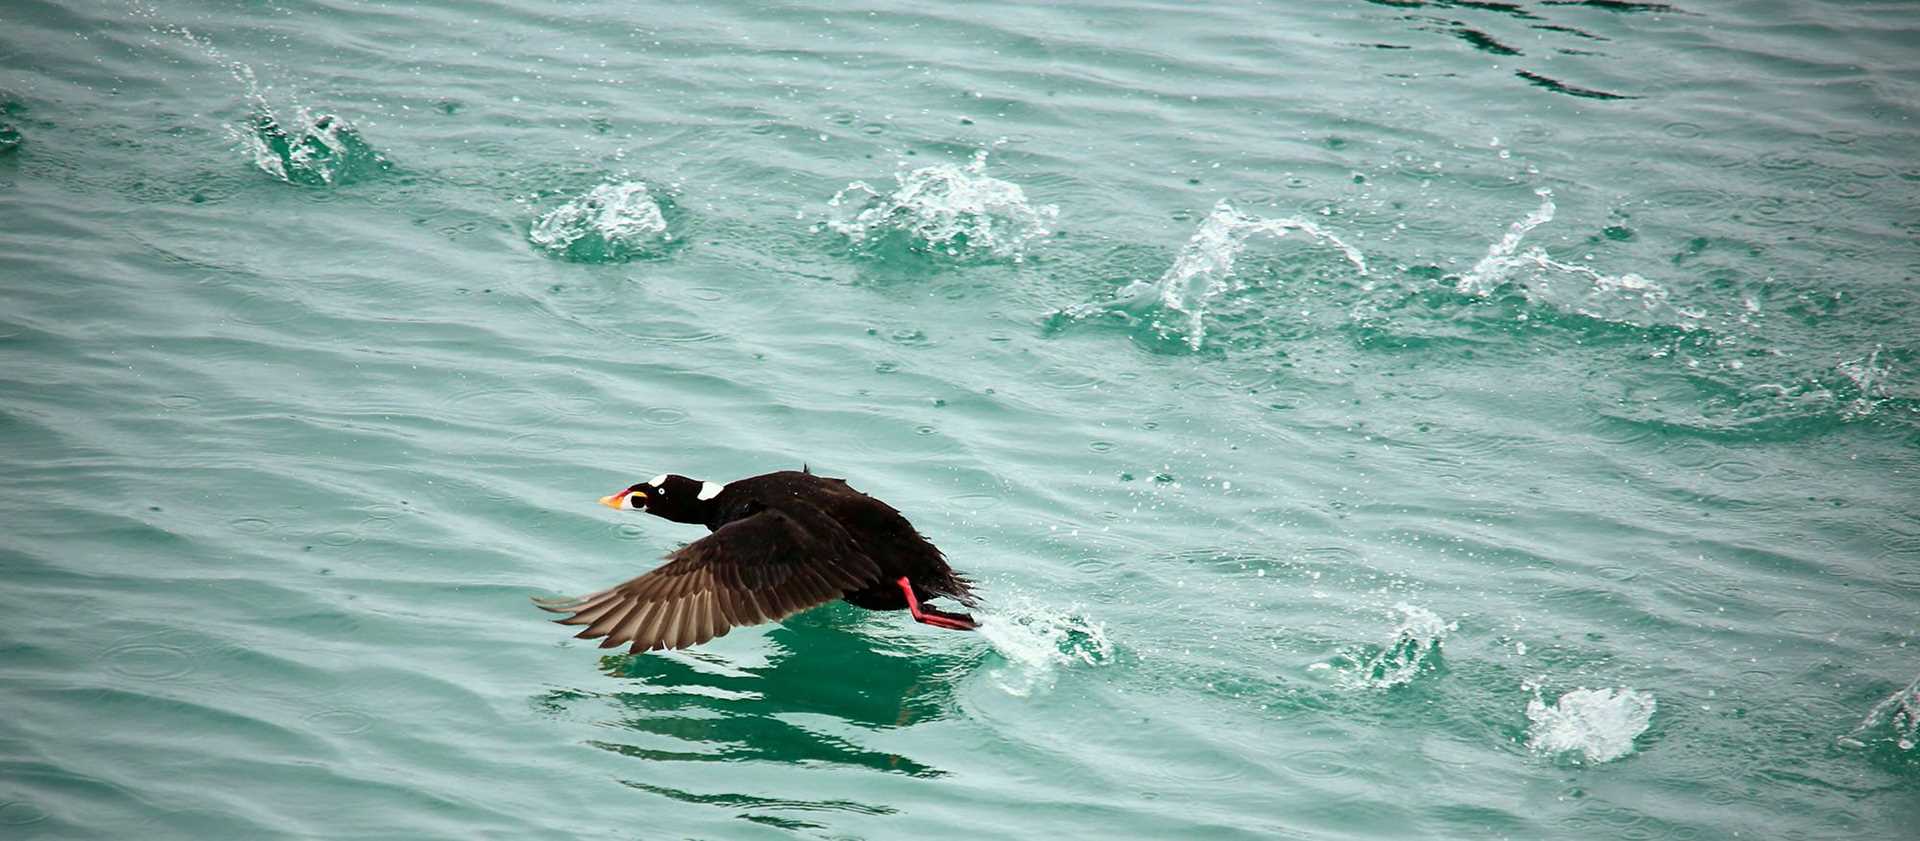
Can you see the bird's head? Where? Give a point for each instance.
(668, 495)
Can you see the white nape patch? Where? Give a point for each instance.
(657, 481)
(709, 490)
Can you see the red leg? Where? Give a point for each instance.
(932, 617)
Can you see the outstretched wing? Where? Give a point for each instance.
(755, 569)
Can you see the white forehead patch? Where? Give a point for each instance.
(657, 481)
(709, 490)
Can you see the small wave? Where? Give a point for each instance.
(1413, 649)
(610, 223)
(1600, 724)
(960, 212)
(1035, 640)
(1852, 390)
(1900, 712)
(1175, 304)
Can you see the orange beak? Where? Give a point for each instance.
(613, 501)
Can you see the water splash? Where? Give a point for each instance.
(1869, 379)
(1500, 261)
(1600, 724)
(960, 212)
(1570, 287)
(1175, 304)
(318, 150)
(1899, 711)
(1413, 649)
(1035, 640)
(612, 222)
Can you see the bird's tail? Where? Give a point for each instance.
(957, 587)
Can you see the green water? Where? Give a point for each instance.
(1324, 394)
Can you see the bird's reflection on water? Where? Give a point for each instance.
(1513, 31)
(756, 809)
(816, 665)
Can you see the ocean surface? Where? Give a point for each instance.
(1366, 420)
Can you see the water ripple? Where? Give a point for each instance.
(153, 661)
(21, 813)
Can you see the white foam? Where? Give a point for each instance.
(612, 221)
(1416, 636)
(953, 210)
(1203, 271)
(1899, 711)
(1600, 724)
(1036, 640)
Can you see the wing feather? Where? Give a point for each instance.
(610, 620)
(695, 623)
(699, 626)
(717, 623)
(724, 613)
(649, 634)
(759, 568)
(674, 634)
(629, 628)
(591, 612)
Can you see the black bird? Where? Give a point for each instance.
(781, 543)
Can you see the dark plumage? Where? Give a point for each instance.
(781, 543)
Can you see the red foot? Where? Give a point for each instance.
(929, 616)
